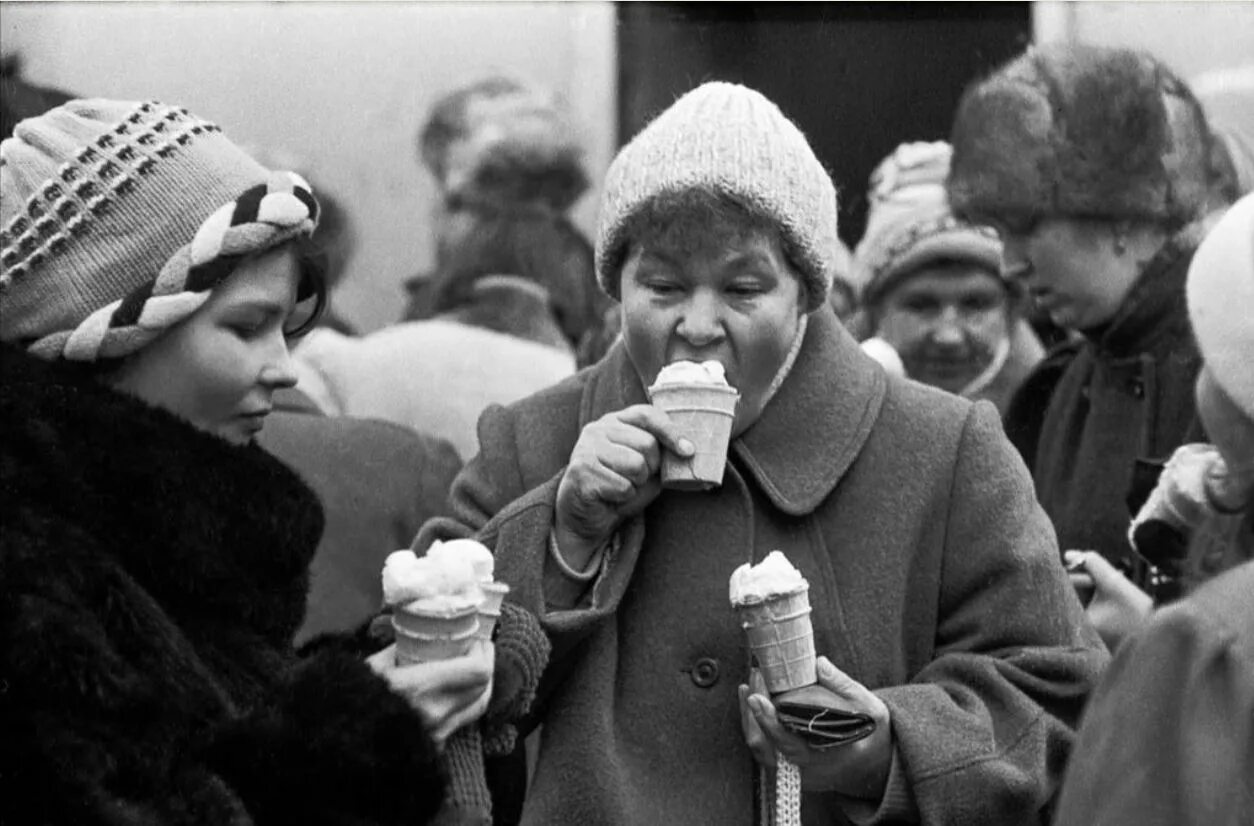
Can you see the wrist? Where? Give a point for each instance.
(572, 549)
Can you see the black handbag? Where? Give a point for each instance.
(816, 715)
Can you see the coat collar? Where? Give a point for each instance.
(1155, 307)
(810, 432)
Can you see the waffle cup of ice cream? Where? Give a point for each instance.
(702, 404)
(435, 606)
(772, 601)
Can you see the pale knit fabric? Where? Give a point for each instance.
(1220, 291)
(435, 376)
(725, 139)
(119, 218)
(909, 223)
(787, 793)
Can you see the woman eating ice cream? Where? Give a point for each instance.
(939, 606)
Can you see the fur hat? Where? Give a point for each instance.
(728, 140)
(120, 218)
(499, 142)
(909, 223)
(1220, 292)
(1082, 131)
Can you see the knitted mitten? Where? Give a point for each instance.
(522, 652)
(468, 802)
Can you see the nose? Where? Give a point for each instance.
(279, 370)
(701, 323)
(947, 331)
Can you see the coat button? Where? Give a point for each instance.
(705, 672)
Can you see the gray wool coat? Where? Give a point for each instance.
(934, 580)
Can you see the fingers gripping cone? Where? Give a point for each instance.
(704, 414)
(781, 639)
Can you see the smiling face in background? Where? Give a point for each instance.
(946, 321)
(220, 367)
(720, 289)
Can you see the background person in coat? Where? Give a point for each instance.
(154, 559)
(1092, 164)
(932, 285)
(935, 579)
(1168, 738)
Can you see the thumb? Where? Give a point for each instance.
(838, 682)
(1106, 576)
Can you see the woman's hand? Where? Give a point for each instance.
(1117, 607)
(858, 769)
(612, 474)
(449, 693)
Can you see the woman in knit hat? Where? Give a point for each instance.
(1094, 166)
(1182, 754)
(154, 558)
(938, 600)
(932, 286)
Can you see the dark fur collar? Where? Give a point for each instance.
(215, 532)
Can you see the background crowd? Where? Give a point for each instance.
(1007, 434)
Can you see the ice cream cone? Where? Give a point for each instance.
(490, 609)
(704, 414)
(421, 648)
(433, 633)
(781, 639)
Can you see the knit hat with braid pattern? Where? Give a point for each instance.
(729, 140)
(118, 219)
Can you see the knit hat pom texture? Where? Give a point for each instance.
(729, 140)
(910, 224)
(1220, 291)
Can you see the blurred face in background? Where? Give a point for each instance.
(724, 292)
(219, 368)
(946, 321)
(1072, 269)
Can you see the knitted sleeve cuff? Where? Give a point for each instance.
(522, 653)
(468, 802)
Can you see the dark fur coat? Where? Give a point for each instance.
(151, 579)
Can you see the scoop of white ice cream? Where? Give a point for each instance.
(692, 372)
(773, 576)
(479, 556)
(448, 580)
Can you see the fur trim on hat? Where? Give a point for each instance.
(727, 140)
(1081, 131)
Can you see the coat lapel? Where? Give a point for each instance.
(808, 435)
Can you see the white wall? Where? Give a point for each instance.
(1192, 37)
(343, 86)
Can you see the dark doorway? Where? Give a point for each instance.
(858, 78)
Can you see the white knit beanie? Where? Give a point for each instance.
(118, 220)
(727, 140)
(1220, 292)
(909, 222)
